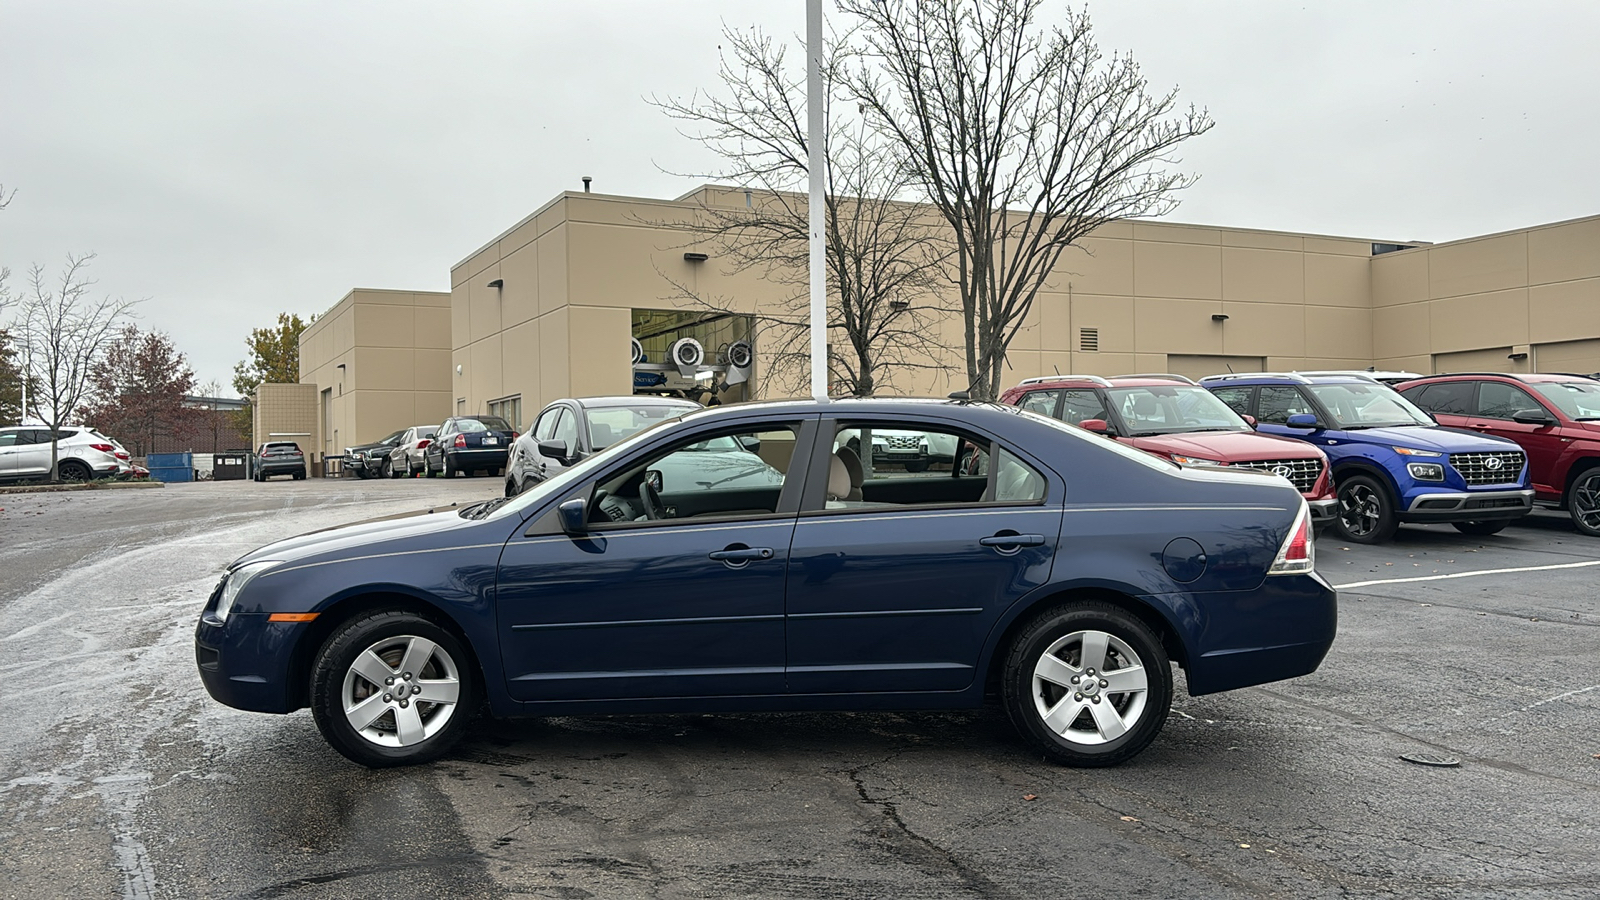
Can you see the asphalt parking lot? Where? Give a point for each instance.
(120, 777)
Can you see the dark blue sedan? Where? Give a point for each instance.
(1061, 571)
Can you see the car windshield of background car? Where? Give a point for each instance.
(1368, 406)
(571, 477)
(609, 424)
(1173, 410)
(1580, 400)
(1148, 460)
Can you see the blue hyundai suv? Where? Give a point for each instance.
(1391, 462)
(1059, 570)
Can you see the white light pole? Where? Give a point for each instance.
(815, 104)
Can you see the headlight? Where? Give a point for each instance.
(1407, 451)
(1426, 471)
(237, 579)
(1196, 461)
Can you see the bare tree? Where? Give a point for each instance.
(64, 331)
(1024, 137)
(882, 259)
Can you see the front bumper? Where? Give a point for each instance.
(1462, 506)
(1323, 510)
(244, 663)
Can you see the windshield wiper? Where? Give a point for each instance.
(482, 510)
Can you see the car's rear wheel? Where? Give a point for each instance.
(385, 468)
(1583, 502)
(391, 688)
(511, 487)
(1482, 529)
(450, 469)
(1366, 514)
(72, 470)
(1088, 684)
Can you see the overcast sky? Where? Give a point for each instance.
(233, 160)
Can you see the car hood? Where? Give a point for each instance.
(385, 534)
(1428, 437)
(1227, 446)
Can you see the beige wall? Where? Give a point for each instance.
(287, 412)
(394, 347)
(574, 269)
(1469, 305)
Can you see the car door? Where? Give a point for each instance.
(31, 454)
(1497, 403)
(686, 604)
(10, 452)
(899, 590)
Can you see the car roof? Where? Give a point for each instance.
(1524, 377)
(630, 400)
(1276, 378)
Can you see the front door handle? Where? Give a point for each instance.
(1013, 540)
(737, 555)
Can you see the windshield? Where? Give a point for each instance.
(482, 423)
(1173, 410)
(1578, 399)
(570, 478)
(609, 424)
(1367, 406)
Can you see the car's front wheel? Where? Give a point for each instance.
(1482, 529)
(1583, 502)
(391, 688)
(1088, 684)
(1366, 514)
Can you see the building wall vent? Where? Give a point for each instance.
(1089, 340)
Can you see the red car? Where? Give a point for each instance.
(1174, 418)
(1556, 419)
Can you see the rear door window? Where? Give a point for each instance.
(1452, 398)
(1042, 402)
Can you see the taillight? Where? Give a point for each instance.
(1297, 556)
(122, 454)
(103, 448)
(423, 443)
(461, 440)
(514, 435)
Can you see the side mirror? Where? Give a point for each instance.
(556, 450)
(574, 516)
(1250, 420)
(1302, 420)
(1532, 417)
(1098, 426)
(753, 444)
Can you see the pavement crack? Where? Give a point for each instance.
(919, 849)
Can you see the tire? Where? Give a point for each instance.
(511, 487)
(1583, 502)
(1366, 511)
(385, 468)
(1482, 529)
(369, 654)
(450, 469)
(1039, 694)
(72, 470)
(915, 467)
(410, 471)
(300, 476)
(427, 467)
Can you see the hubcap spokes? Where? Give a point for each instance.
(1090, 688)
(1586, 502)
(400, 691)
(1358, 510)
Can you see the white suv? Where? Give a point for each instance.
(82, 453)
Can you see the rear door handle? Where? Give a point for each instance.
(1013, 540)
(741, 554)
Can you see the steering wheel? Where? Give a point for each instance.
(651, 501)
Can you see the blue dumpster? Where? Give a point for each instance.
(171, 467)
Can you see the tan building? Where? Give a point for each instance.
(378, 361)
(287, 412)
(545, 311)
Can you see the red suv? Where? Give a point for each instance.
(1174, 418)
(1556, 419)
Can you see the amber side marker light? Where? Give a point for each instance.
(291, 617)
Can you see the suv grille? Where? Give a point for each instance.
(1302, 473)
(1499, 467)
(902, 441)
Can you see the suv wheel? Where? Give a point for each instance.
(72, 470)
(392, 688)
(1583, 502)
(1366, 514)
(1088, 684)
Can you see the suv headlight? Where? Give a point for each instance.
(1407, 451)
(1196, 461)
(1426, 471)
(237, 579)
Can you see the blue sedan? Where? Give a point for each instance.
(1063, 572)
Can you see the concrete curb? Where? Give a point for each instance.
(79, 486)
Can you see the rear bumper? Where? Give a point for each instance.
(1469, 506)
(270, 469)
(1280, 630)
(474, 458)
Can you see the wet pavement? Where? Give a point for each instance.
(119, 777)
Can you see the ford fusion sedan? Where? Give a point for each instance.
(743, 558)
(567, 431)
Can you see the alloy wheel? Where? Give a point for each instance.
(1585, 502)
(1090, 687)
(1359, 510)
(400, 691)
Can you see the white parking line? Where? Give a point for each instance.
(1576, 565)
